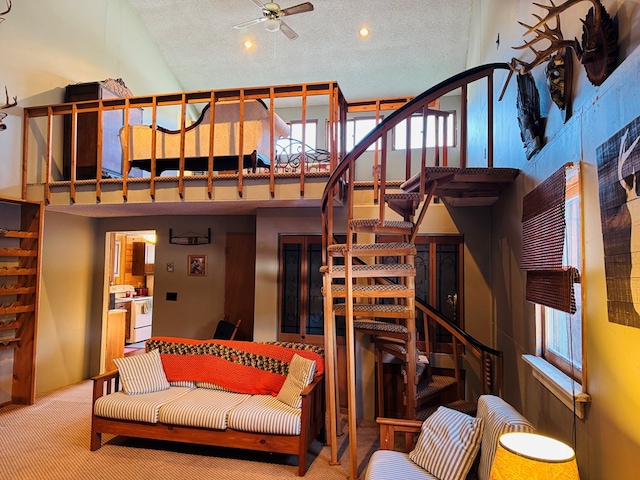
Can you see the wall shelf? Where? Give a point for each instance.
(190, 238)
(17, 252)
(17, 271)
(11, 325)
(9, 343)
(20, 247)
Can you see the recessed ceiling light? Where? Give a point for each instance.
(364, 32)
(247, 44)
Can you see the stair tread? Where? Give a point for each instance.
(402, 196)
(373, 307)
(433, 385)
(386, 327)
(392, 287)
(464, 406)
(356, 247)
(375, 267)
(375, 222)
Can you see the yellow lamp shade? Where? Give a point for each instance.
(527, 456)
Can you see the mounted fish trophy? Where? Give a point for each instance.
(597, 51)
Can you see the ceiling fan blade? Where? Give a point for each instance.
(303, 7)
(258, 3)
(288, 31)
(250, 22)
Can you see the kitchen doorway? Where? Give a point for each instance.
(129, 267)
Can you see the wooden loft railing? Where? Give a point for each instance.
(43, 135)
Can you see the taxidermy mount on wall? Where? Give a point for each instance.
(529, 120)
(6, 105)
(15, 99)
(597, 51)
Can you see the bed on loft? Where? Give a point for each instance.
(289, 152)
(226, 141)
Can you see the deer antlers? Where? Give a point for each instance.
(591, 42)
(6, 11)
(553, 35)
(6, 105)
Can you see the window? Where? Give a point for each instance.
(561, 332)
(552, 258)
(295, 132)
(357, 128)
(417, 131)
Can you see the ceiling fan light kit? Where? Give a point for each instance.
(272, 25)
(272, 17)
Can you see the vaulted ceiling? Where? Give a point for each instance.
(412, 45)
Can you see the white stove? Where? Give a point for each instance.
(141, 311)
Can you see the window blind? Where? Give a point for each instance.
(549, 281)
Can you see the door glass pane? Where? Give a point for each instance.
(291, 273)
(315, 300)
(447, 286)
(422, 284)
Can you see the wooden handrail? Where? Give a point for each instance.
(492, 382)
(406, 111)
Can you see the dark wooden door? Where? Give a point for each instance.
(240, 274)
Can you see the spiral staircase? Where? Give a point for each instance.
(378, 299)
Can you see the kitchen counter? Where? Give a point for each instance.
(128, 299)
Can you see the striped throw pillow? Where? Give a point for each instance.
(301, 371)
(448, 444)
(142, 373)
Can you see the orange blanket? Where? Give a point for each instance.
(243, 367)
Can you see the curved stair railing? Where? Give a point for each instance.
(411, 204)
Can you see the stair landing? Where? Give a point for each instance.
(465, 187)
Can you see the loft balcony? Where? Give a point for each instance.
(234, 150)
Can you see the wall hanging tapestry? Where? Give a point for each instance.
(618, 165)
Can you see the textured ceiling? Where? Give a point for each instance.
(413, 44)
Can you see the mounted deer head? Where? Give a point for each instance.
(6, 105)
(597, 52)
(5, 12)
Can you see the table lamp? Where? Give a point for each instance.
(528, 456)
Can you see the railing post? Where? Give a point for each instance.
(490, 120)
(463, 126)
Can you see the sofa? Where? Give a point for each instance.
(450, 445)
(259, 396)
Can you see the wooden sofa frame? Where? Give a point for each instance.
(312, 426)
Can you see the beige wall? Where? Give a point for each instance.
(200, 299)
(44, 55)
(45, 46)
(608, 439)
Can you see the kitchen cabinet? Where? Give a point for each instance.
(20, 246)
(149, 258)
(87, 127)
(138, 259)
(114, 338)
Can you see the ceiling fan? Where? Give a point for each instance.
(272, 17)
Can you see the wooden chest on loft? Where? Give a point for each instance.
(87, 130)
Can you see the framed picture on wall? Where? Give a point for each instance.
(197, 265)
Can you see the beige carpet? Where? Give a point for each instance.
(50, 440)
